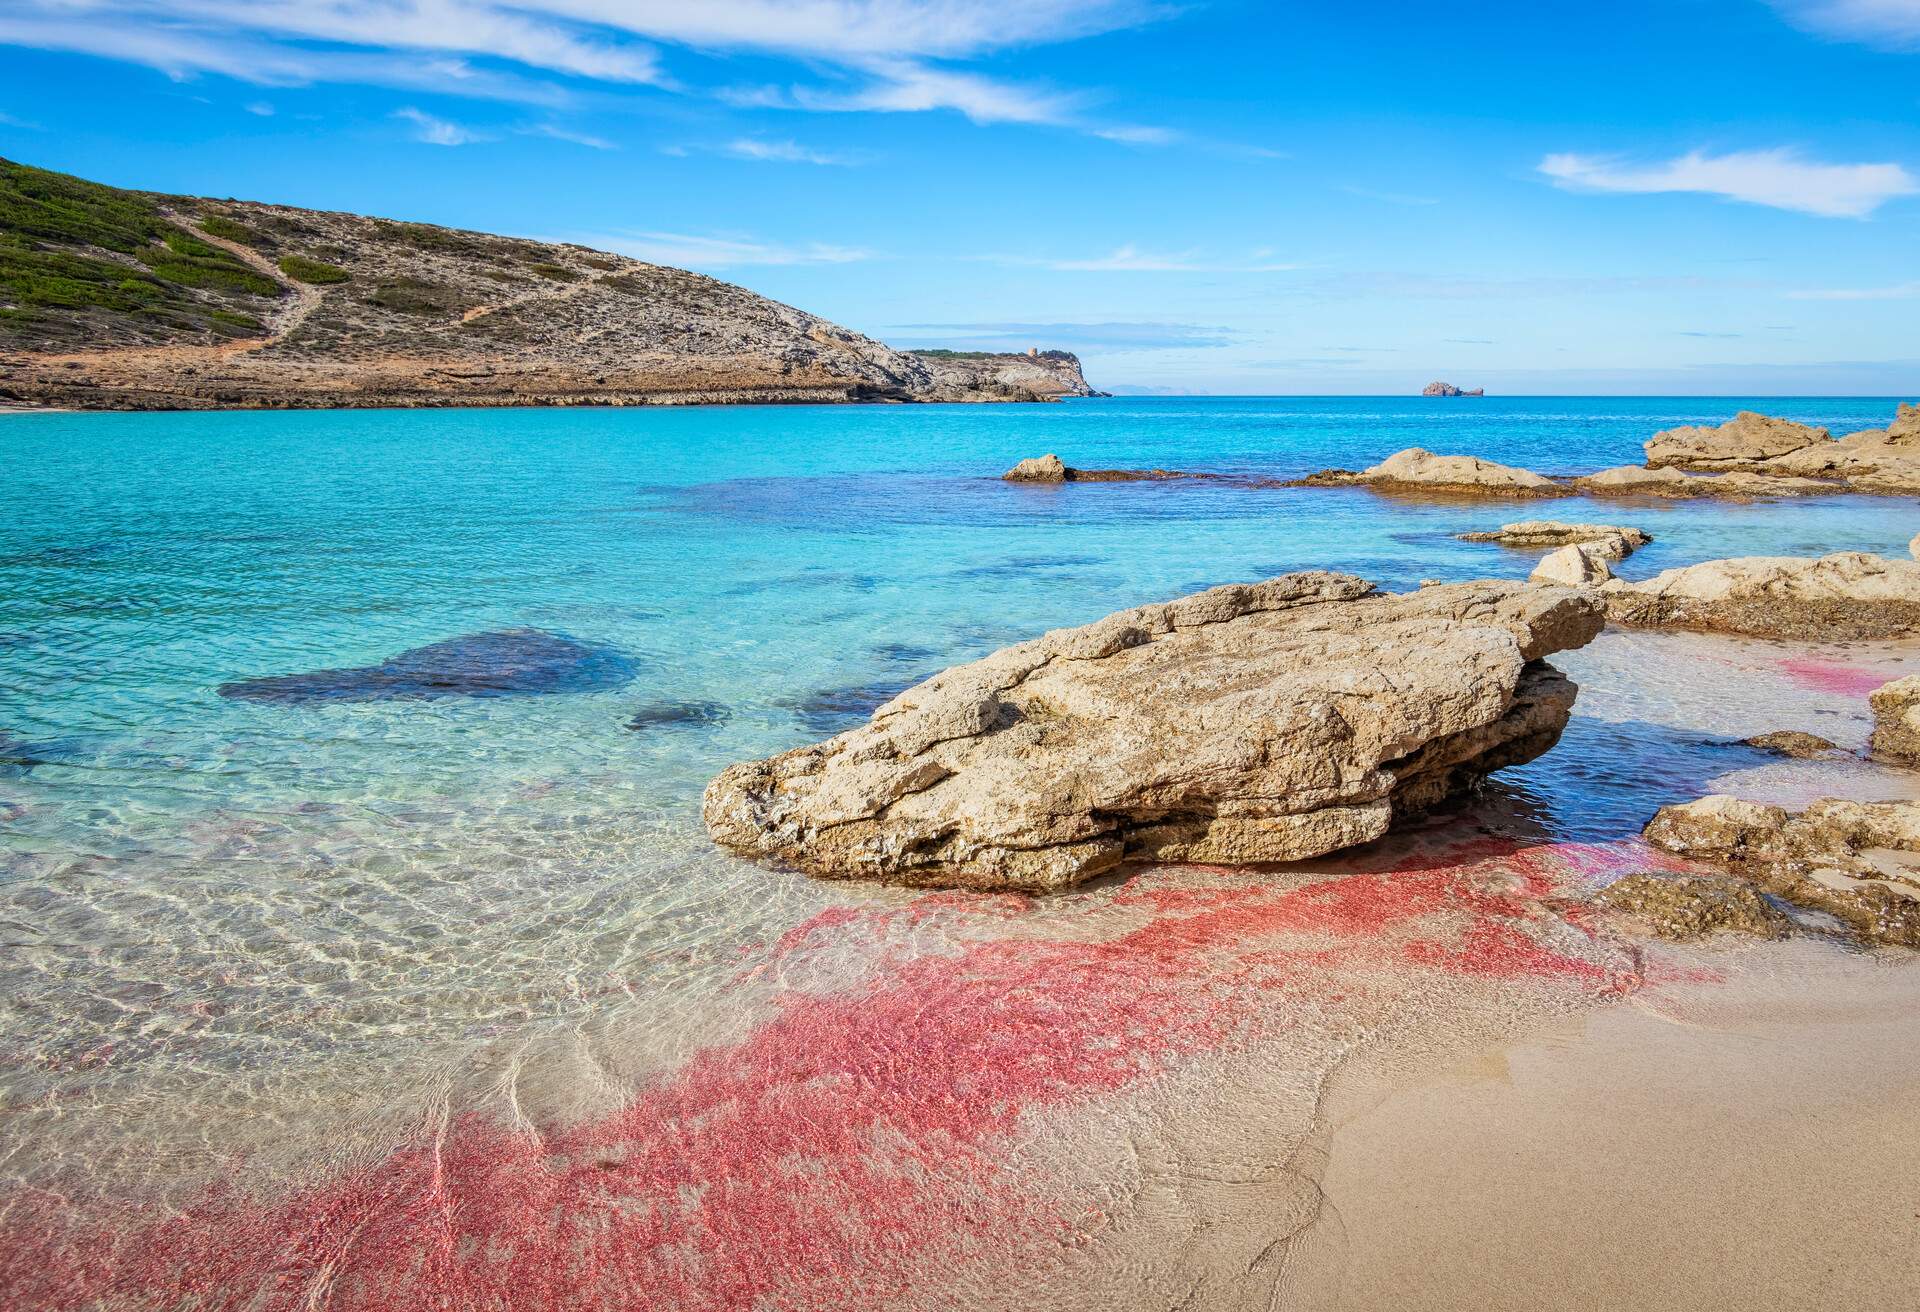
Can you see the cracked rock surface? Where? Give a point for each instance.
(1262, 722)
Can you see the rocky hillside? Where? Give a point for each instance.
(130, 300)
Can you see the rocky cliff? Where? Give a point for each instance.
(116, 299)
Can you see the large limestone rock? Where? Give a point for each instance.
(1896, 719)
(1581, 565)
(1250, 723)
(1744, 440)
(1846, 595)
(1422, 473)
(1038, 469)
(1857, 861)
(1739, 485)
(1609, 540)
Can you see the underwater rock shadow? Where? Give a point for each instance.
(828, 711)
(678, 715)
(504, 663)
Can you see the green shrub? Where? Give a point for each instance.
(219, 225)
(412, 296)
(302, 269)
(556, 272)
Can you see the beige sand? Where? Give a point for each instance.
(1743, 1145)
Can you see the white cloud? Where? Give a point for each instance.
(437, 131)
(1777, 178)
(559, 133)
(1138, 136)
(905, 86)
(1906, 291)
(782, 152)
(691, 251)
(1894, 23)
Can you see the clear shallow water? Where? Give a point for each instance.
(252, 937)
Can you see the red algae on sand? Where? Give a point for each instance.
(858, 1139)
(1832, 676)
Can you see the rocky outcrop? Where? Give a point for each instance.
(1633, 481)
(1448, 389)
(1249, 723)
(1846, 595)
(1746, 439)
(1685, 907)
(1052, 469)
(1794, 743)
(1581, 565)
(1896, 720)
(180, 302)
(1608, 540)
(1883, 460)
(505, 663)
(1856, 861)
(1418, 472)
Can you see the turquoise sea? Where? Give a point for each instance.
(246, 930)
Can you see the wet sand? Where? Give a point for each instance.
(1742, 1144)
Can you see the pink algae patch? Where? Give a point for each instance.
(1832, 676)
(850, 1143)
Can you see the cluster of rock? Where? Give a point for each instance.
(1250, 723)
(1683, 907)
(1856, 861)
(1749, 457)
(1610, 540)
(1847, 595)
(1872, 460)
(1896, 720)
(1448, 389)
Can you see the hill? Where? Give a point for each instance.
(115, 299)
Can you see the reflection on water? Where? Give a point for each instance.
(452, 993)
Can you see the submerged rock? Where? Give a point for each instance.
(1249, 723)
(1746, 439)
(1609, 540)
(506, 663)
(1417, 471)
(1795, 743)
(678, 715)
(1856, 861)
(1846, 595)
(1682, 907)
(1896, 720)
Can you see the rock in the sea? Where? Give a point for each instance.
(1038, 469)
(1856, 861)
(1634, 481)
(1746, 439)
(678, 715)
(1052, 469)
(1250, 723)
(1847, 595)
(1682, 907)
(1448, 389)
(1580, 565)
(1419, 472)
(510, 662)
(1896, 720)
(1610, 540)
(1799, 745)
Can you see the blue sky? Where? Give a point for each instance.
(1692, 196)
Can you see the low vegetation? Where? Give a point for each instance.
(556, 272)
(82, 263)
(219, 225)
(302, 269)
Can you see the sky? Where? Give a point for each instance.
(1295, 197)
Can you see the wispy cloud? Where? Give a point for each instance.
(1890, 23)
(9, 121)
(783, 152)
(1905, 291)
(559, 133)
(1121, 335)
(1685, 332)
(730, 251)
(260, 109)
(437, 131)
(1777, 178)
(905, 86)
(1134, 259)
(1137, 136)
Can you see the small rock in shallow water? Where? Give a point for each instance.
(1578, 565)
(1792, 742)
(510, 662)
(1849, 594)
(1613, 541)
(1684, 907)
(678, 715)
